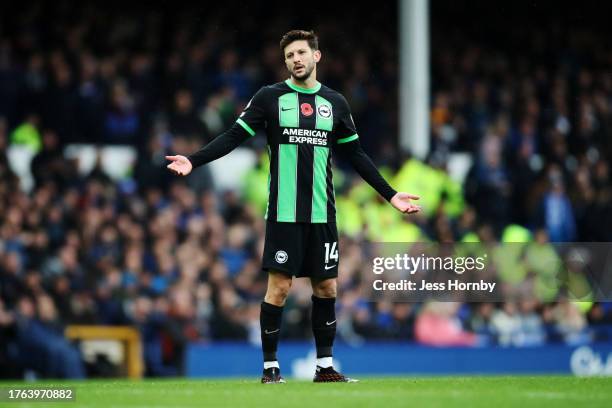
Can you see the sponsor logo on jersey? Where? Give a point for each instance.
(308, 136)
(324, 111)
(306, 109)
(281, 257)
(304, 132)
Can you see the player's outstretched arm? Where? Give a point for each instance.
(350, 147)
(362, 163)
(251, 119)
(219, 147)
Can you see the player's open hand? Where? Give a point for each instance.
(401, 201)
(181, 166)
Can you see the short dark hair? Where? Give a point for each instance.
(295, 35)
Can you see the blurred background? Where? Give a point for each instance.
(504, 128)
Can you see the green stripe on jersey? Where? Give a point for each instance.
(287, 182)
(324, 117)
(347, 139)
(246, 126)
(269, 180)
(288, 112)
(319, 184)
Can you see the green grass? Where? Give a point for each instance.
(385, 392)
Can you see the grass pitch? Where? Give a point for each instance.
(386, 392)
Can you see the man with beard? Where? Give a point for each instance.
(303, 120)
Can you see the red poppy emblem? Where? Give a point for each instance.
(306, 109)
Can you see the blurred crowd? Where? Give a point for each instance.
(180, 260)
(537, 120)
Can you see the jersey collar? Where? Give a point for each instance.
(303, 90)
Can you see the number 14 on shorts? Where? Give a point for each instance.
(331, 252)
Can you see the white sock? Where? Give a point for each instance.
(324, 362)
(270, 364)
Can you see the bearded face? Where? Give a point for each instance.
(301, 60)
(303, 71)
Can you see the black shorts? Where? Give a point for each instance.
(301, 249)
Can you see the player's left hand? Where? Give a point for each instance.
(401, 201)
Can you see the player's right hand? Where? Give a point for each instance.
(181, 166)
